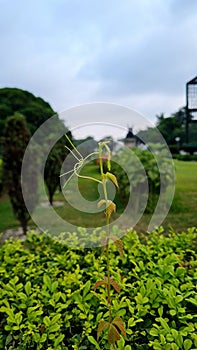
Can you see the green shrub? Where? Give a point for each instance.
(47, 299)
(185, 157)
(142, 173)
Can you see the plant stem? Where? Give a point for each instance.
(108, 273)
(108, 234)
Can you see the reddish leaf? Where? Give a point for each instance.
(120, 324)
(115, 285)
(101, 326)
(113, 334)
(99, 283)
(110, 209)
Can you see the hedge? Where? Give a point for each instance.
(47, 300)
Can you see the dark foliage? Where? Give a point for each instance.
(53, 165)
(16, 138)
(35, 109)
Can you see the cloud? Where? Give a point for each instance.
(158, 61)
(140, 53)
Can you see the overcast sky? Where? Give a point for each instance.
(137, 53)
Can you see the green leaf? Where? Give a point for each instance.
(121, 343)
(94, 342)
(154, 332)
(162, 339)
(8, 339)
(58, 340)
(164, 324)
(187, 344)
(179, 298)
(160, 311)
(23, 296)
(46, 321)
(172, 312)
(131, 322)
(179, 340)
(54, 286)
(18, 317)
(11, 317)
(54, 327)
(192, 301)
(28, 288)
(47, 281)
(52, 335)
(43, 338)
(36, 337)
(113, 178)
(174, 333)
(86, 288)
(55, 318)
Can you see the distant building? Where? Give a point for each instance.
(131, 140)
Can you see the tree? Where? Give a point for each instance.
(170, 128)
(16, 138)
(149, 135)
(34, 109)
(53, 165)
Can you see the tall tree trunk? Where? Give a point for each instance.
(51, 197)
(24, 227)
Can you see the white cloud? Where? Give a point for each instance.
(138, 53)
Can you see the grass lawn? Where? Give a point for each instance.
(183, 213)
(184, 208)
(7, 219)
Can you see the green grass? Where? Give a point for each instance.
(7, 219)
(183, 213)
(184, 207)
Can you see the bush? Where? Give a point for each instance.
(142, 175)
(185, 157)
(47, 300)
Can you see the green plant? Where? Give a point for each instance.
(43, 281)
(114, 324)
(143, 171)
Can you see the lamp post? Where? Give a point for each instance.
(178, 139)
